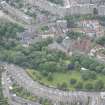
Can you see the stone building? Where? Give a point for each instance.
(15, 13)
(101, 10)
(80, 9)
(77, 7)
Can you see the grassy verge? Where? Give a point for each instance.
(19, 91)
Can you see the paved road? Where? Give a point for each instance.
(20, 76)
(23, 101)
(6, 90)
(13, 100)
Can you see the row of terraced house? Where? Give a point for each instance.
(81, 7)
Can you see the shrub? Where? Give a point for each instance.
(71, 66)
(50, 76)
(79, 85)
(73, 81)
(86, 75)
(88, 86)
(99, 85)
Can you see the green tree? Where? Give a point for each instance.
(99, 69)
(88, 86)
(77, 65)
(59, 39)
(86, 75)
(101, 40)
(73, 81)
(79, 86)
(103, 71)
(50, 76)
(99, 85)
(62, 86)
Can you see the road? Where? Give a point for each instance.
(13, 100)
(21, 77)
(23, 101)
(6, 90)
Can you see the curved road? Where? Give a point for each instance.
(21, 77)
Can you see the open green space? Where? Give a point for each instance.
(70, 80)
(51, 67)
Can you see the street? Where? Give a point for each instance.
(21, 77)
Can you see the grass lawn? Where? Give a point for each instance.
(59, 78)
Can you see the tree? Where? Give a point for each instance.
(77, 65)
(71, 67)
(95, 11)
(88, 75)
(73, 81)
(93, 66)
(50, 76)
(59, 39)
(62, 86)
(85, 62)
(74, 35)
(48, 66)
(101, 41)
(44, 73)
(57, 1)
(19, 58)
(99, 69)
(88, 86)
(103, 71)
(99, 85)
(79, 85)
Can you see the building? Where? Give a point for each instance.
(91, 28)
(15, 13)
(101, 10)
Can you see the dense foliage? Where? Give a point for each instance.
(8, 34)
(38, 57)
(88, 63)
(57, 1)
(101, 41)
(74, 35)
